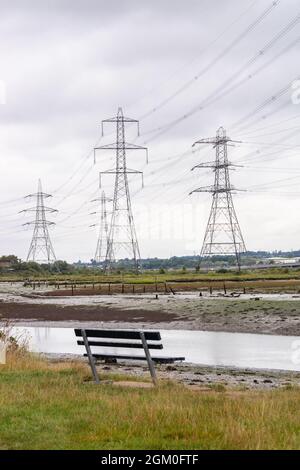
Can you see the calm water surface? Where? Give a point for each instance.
(199, 347)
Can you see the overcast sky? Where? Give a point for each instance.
(66, 65)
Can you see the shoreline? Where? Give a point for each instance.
(176, 325)
(278, 315)
(200, 377)
(255, 315)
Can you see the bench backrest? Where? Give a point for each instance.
(130, 338)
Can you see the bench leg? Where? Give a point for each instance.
(90, 357)
(148, 357)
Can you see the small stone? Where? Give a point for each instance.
(267, 381)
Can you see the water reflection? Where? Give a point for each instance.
(199, 347)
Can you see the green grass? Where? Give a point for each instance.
(46, 406)
(150, 277)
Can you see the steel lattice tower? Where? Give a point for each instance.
(122, 233)
(41, 249)
(223, 235)
(102, 242)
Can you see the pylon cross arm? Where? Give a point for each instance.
(116, 146)
(44, 195)
(120, 118)
(45, 222)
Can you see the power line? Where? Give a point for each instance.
(220, 56)
(203, 50)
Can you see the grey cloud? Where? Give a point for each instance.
(69, 64)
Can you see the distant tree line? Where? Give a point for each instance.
(12, 263)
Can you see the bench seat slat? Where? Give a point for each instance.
(120, 345)
(119, 334)
(161, 360)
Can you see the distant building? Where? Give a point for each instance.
(280, 260)
(5, 264)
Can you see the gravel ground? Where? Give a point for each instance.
(196, 376)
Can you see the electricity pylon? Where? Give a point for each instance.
(223, 235)
(41, 249)
(102, 242)
(122, 234)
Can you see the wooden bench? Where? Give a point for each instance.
(129, 339)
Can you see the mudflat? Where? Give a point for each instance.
(279, 315)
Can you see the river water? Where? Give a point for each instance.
(198, 347)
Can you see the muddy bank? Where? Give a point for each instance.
(251, 286)
(94, 313)
(195, 376)
(280, 317)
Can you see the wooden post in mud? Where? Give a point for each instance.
(172, 290)
(144, 289)
(210, 290)
(244, 290)
(224, 287)
(72, 287)
(166, 290)
(133, 288)
(109, 287)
